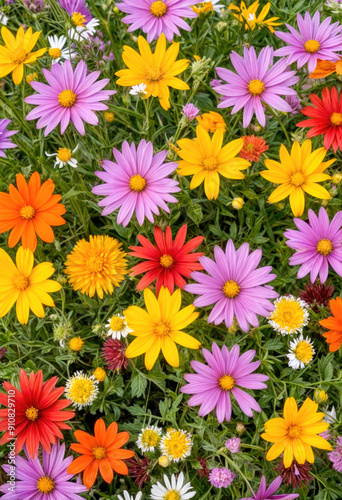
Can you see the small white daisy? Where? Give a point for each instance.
(289, 315)
(173, 490)
(82, 389)
(176, 445)
(301, 352)
(139, 90)
(117, 327)
(57, 50)
(64, 157)
(127, 496)
(81, 33)
(149, 438)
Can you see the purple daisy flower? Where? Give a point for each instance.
(265, 493)
(221, 477)
(76, 7)
(257, 81)
(157, 17)
(212, 386)
(313, 41)
(190, 111)
(70, 95)
(317, 244)
(43, 481)
(5, 143)
(235, 286)
(138, 182)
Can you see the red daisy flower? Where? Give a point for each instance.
(253, 147)
(168, 261)
(38, 413)
(325, 118)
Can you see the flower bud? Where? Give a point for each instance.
(320, 396)
(163, 461)
(238, 203)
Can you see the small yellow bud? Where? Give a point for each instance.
(76, 344)
(197, 58)
(31, 77)
(324, 203)
(280, 206)
(99, 374)
(336, 178)
(109, 116)
(238, 203)
(240, 428)
(320, 396)
(234, 327)
(163, 461)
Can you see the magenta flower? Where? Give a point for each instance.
(265, 493)
(235, 286)
(221, 477)
(233, 444)
(76, 7)
(313, 41)
(138, 183)
(317, 244)
(335, 456)
(157, 17)
(257, 81)
(214, 384)
(70, 95)
(5, 142)
(190, 111)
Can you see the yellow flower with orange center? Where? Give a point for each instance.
(249, 18)
(212, 121)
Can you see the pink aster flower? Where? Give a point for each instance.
(138, 183)
(235, 286)
(317, 244)
(190, 111)
(233, 444)
(5, 142)
(335, 456)
(76, 7)
(313, 41)
(214, 384)
(221, 477)
(257, 81)
(157, 17)
(70, 95)
(265, 493)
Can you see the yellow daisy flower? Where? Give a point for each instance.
(298, 174)
(26, 285)
(157, 71)
(296, 433)
(160, 327)
(17, 52)
(248, 16)
(205, 159)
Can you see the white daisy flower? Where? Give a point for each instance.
(149, 438)
(64, 157)
(301, 352)
(117, 327)
(3, 19)
(57, 50)
(289, 315)
(176, 445)
(82, 389)
(139, 90)
(81, 33)
(173, 490)
(127, 496)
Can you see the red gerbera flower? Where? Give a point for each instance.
(325, 118)
(38, 413)
(253, 147)
(168, 261)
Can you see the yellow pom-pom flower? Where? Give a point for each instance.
(100, 374)
(76, 344)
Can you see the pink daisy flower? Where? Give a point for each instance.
(76, 7)
(70, 95)
(138, 183)
(234, 285)
(317, 244)
(256, 81)
(157, 17)
(313, 41)
(5, 141)
(214, 384)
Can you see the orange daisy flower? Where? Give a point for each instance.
(326, 68)
(100, 452)
(334, 335)
(30, 210)
(253, 147)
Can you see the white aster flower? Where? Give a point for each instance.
(173, 490)
(289, 315)
(81, 33)
(127, 496)
(117, 327)
(301, 352)
(139, 90)
(149, 438)
(64, 157)
(82, 389)
(57, 50)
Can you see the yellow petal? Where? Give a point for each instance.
(170, 351)
(152, 354)
(282, 191)
(297, 201)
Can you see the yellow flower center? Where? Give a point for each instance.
(231, 289)
(78, 19)
(304, 352)
(294, 431)
(324, 247)
(99, 452)
(256, 87)
(176, 445)
(154, 74)
(67, 98)
(298, 179)
(312, 46)
(76, 344)
(150, 438)
(226, 382)
(81, 391)
(137, 183)
(116, 323)
(27, 212)
(336, 119)
(95, 264)
(32, 413)
(288, 315)
(166, 261)
(55, 53)
(45, 484)
(210, 163)
(21, 282)
(18, 56)
(172, 495)
(158, 8)
(64, 154)
(162, 329)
